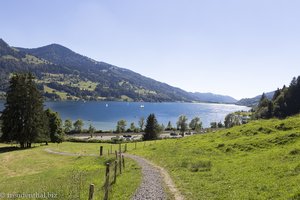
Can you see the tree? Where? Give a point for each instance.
(213, 125)
(231, 120)
(121, 126)
(265, 108)
(132, 127)
(182, 124)
(68, 125)
(169, 126)
(142, 123)
(196, 124)
(55, 126)
(220, 125)
(152, 128)
(91, 130)
(23, 117)
(78, 124)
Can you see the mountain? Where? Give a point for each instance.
(64, 74)
(255, 100)
(210, 97)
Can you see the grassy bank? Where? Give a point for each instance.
(34, 170)
(260, 160)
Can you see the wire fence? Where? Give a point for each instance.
(116, 166)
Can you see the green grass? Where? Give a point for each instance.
(34, 170)
(260, 160)
(62, 95)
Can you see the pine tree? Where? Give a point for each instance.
(169, 126)
(152, 128)
(23, 116)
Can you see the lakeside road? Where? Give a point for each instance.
(125, 136)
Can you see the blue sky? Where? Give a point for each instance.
(239, 48)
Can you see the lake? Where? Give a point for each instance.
(104, 115)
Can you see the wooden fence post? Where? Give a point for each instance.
(115, 170)
(91, 192)
(116, 154)
(101, 150)
(106, 186)
(120, 163)
(123, 160)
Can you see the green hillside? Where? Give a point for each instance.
(73, 76)
(259, 160)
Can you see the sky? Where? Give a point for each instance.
(240, 48)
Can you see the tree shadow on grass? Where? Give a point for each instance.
(12, 148)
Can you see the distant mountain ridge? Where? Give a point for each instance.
(210, 97)
(64, 74)
(255, 100)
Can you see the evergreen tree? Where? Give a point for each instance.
(293, 97)
(23, 117)
(220, 125)
(55, 126)
(276, 94)
(265, 108)
(152, 128)
(169, 126)
(182, 124)
(213, 125)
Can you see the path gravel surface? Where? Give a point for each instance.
(153, 181)
(151, 187)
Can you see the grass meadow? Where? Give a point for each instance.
(259, 160)
(34, 170)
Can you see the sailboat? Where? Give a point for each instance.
(142, 106)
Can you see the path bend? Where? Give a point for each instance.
(154, 178)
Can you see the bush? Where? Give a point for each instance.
(295, 152)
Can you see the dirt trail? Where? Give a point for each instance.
(153, 180)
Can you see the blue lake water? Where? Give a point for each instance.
(104, 115)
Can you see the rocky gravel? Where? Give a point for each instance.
(154, 178)
(151, 187)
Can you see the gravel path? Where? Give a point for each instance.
(153, 180)
(67, 154)
(151, 187)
